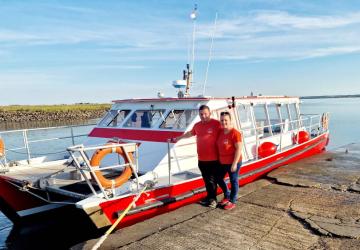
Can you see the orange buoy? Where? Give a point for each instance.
(118, 181)
(266, 149)
(301, 137)
(2, 148)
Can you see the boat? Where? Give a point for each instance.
(131, 148)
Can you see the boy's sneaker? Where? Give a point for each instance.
(229, 206)
(224, 202)
(212, 204)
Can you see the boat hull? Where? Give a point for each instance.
(163, 200)
(22, 206)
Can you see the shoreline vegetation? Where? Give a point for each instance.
(71, 112)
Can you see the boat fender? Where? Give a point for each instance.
(118, 181)
(325, 121)
(2, 148)
(266, 149)
(301, 137)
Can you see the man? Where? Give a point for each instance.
(206, 132)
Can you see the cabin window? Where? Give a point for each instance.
(145, 118)
(114, 118)
(260, 118)
(285, 116)
(179, 119)
(246, 121)
(274, 119)
(294, 115)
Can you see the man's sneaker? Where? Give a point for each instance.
(229, 206)
(224, 202)
(212, 204)
(204, 202)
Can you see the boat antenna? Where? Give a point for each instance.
(210, 53)
(193, 17)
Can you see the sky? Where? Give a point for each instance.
(60, 52)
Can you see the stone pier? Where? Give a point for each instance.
(311, 204)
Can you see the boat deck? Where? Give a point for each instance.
(33, 173)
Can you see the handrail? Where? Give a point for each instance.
(24, 139)
(48, 128)
(314, 122)
(86, 167)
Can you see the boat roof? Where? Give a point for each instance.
(205, 98)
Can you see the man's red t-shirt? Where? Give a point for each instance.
(226, 145)
(206, 135)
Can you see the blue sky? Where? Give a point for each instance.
(54, 52)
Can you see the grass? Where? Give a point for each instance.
(55, 108)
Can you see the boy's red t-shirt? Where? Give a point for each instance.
(226, 145)
(206, 135)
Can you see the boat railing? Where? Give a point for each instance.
(27, 144)
(307, 122)
(82, 163)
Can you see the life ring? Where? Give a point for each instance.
(325, 121)
(118, 181)
(2, 148)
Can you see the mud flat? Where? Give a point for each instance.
(312, 204)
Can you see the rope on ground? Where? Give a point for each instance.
(103, 238)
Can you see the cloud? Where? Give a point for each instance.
(284, 19)
(332, 51)
(251, 36)
(281, 35)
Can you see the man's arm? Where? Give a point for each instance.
(185, 135)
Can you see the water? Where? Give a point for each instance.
(344, 118)
(344, 129)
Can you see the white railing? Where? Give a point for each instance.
(82, 163)
(308, 122)
(23, 142)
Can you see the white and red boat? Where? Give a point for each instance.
(97, 184)
(130, 148)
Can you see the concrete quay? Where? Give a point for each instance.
(311, 204)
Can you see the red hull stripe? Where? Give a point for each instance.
(134, 134)
(188, 192)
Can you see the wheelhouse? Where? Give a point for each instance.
(152, 122)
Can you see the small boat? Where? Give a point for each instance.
(131, 148)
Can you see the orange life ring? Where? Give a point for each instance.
(118, 181)
(2, 148)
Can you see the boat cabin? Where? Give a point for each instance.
(151, 123)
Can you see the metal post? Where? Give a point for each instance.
(238, 122)
(169, 161)
(282, 125)
(72, 136)
(77, 165)
(268, 120)
(88, 165)
(26, 144)
(255, 128)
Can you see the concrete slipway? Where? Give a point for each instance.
(312, 204)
